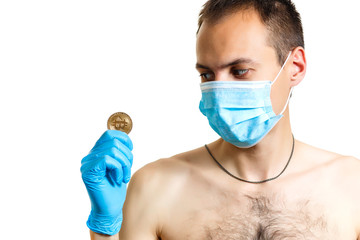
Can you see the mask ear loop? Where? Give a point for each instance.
(292, 88)
(281, 68)
(287, 102)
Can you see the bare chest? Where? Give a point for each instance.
(305, 208)
(257, 219)
(215, 214)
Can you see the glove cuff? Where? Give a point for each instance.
(104, 225)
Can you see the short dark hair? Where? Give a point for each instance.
(280, 17)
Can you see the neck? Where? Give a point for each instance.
(262, 161)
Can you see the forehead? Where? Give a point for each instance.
(241, 34)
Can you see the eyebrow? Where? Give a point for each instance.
(235, 62)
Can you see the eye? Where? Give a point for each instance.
(207, 77)
(240, 72)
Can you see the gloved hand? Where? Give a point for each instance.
(106, 170)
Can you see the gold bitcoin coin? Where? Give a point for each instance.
(120, 121)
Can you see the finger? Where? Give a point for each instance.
(114, 143)
(115, 154)
(125, 163)
(93, 170)
(114, 134)
(114, 169)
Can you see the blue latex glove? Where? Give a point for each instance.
(106, 170)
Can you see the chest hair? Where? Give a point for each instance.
(267, 219)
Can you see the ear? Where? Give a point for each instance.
(298, 67)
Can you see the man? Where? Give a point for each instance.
(256, 181)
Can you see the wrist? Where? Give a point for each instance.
(104, 224)
(99, 236)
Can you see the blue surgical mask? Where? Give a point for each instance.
(240, 111)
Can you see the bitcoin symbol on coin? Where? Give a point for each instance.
(120, 121)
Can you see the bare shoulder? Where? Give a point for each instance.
(161, 177)
(347, 172)
(170, 169)
(334, 167)
(154, 187)
(342, 166)
(154, 176)
(338, 177)
(318, 156)
(348, 166)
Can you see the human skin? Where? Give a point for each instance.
(188, 196)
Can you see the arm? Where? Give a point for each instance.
(141, 211)
(98, 236)
(351, 173)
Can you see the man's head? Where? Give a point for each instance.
(280, 17)
(250, 40)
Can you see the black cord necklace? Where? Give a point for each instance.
(256, 182)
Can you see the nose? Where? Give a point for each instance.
(223, 75)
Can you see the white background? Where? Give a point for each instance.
(66, 66)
